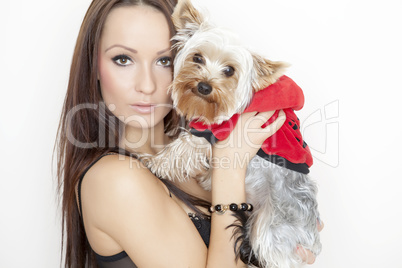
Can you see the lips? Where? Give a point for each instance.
(143, 108)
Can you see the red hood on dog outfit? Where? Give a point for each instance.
(286, 147)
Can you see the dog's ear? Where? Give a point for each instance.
(186, 17)
(266, 72)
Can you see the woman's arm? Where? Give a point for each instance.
(230, 159)
(125, 207)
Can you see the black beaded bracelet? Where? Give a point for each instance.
(221, 209)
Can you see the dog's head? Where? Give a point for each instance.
(214, 77)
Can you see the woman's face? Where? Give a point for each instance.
(135, 65)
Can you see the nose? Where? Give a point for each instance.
(204, 88)
(145, 80)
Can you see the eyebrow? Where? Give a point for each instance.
(127, 48)
(135, 51)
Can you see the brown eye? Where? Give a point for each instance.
(165, 62)
(198, 59)
(122, 60)
(228, 71)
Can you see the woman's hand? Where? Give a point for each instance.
(246, 139)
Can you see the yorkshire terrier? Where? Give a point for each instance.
(215, 80)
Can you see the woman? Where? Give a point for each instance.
(115, 212)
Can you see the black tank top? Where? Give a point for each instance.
(122, 260)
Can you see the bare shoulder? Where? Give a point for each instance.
(113, 179)
(124, 201)
(119, 170)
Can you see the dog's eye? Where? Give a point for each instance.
(198, 59)
(228, 71)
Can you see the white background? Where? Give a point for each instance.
(346, 55)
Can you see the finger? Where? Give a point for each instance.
(320, 225)
(256, 133)
(255, 119)
(306, 255)
(258, 119)
(277, 124)
(266, 114)
(263, 116)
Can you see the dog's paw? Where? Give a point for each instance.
(184, 158)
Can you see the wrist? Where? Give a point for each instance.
(228, 186)
(220, 209)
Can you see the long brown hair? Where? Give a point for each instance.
(87, 128)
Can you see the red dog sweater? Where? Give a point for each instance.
(286, 147)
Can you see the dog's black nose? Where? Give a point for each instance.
(204, 88)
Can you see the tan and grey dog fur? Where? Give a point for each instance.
(214, 78)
